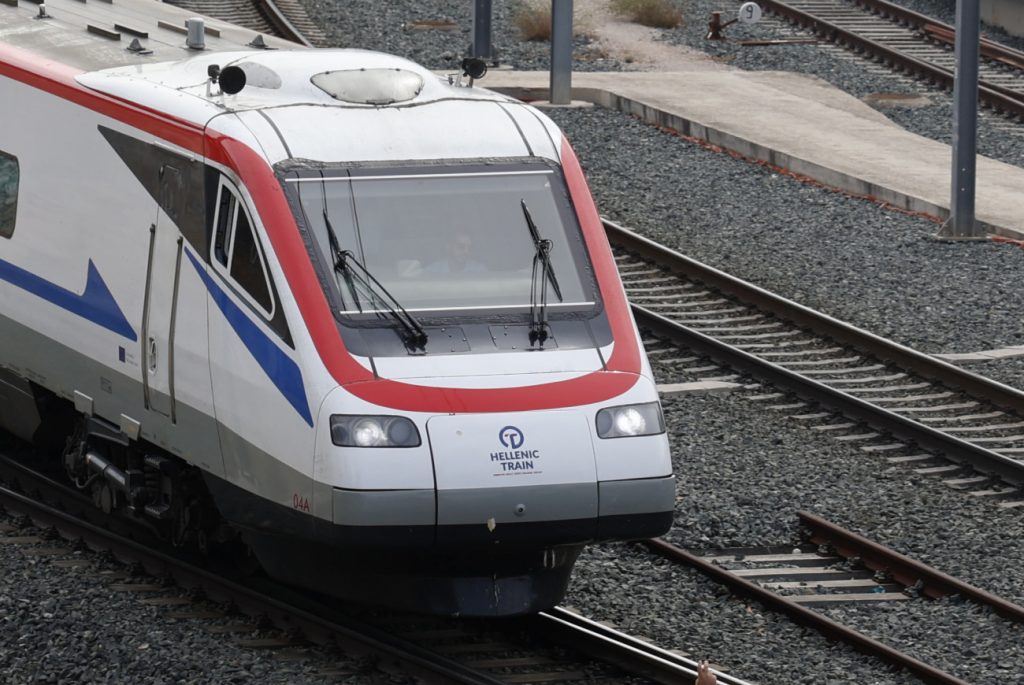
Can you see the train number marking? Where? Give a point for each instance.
(299, 502)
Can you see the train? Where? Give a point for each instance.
(355, 317)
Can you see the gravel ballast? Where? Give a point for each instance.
(399, 27)
(741, 480)
(61, 624)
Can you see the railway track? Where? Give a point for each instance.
(909, 42)
(791, 582)
(888, 399)
(286, 19)
(557, 646)
(520, 651)
(350, 635)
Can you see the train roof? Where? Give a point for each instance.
(92, 34)
(305, 93)
(274, 78)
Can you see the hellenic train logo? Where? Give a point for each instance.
(511, 437)
(512, 460)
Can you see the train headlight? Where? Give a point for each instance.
(367, 433)
(630, 420)
(373, 431)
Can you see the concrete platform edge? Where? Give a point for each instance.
(829, 177)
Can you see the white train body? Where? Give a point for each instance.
(166, 266)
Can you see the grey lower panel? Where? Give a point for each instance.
(63, 370)
(520, 504)
(196, 437)
(383, 507)
(252, 469)
(641, 496)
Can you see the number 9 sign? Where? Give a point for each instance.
(750, 13)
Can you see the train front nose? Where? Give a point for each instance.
(480, 513)
(514, 479)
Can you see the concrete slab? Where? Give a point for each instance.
(574, 104)
(985, 355)
(799, 123)
(674, 389)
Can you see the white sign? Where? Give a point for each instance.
(750, 13)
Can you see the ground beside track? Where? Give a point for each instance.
(742, 478)
(65, 624)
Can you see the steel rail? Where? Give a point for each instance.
(805, 616)
(926, 437)
(280, 22)
(903, 569)
(351, 635)
(999, 98)
(990, 49)
(957, 449)
(630, 653)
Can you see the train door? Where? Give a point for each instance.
(262, 411)
(161, 299)
(173, 354)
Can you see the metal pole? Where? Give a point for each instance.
(482, 29)
(961, 222)
(561, 52)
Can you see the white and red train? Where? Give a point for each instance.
(362, 317)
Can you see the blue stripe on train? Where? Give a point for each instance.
(279, 367)
(95, 304)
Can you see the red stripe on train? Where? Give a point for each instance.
(264, 188)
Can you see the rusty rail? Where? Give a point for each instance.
(281, 24)
(942, 32)
(805, 616)
(989, 48)
(997, 97)
(903, 569)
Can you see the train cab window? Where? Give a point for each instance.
(222, 236)
(9, 174)
(247, 264)
(237, 249)
(449, 240)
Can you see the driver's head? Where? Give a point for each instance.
(459, 247)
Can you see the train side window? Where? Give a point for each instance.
(237, 252)
(247, 267)
(9, 175)
(225, 215)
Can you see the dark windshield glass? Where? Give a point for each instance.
(443, 240)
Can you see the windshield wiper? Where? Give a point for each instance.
(339, 263)
(415, 337)
(541, 268)
(344, 261)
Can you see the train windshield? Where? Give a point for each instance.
(445, 240)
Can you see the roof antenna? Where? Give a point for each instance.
(42, 12)
(137, 48)
(259, 43)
